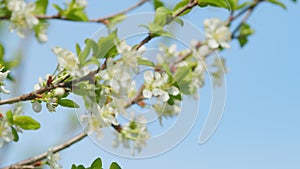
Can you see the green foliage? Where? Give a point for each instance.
(9, 116)
(276, 2)
(26, 122)
(15, 134)
(114, 165)
(162, 18)
(41, 7)
(157, 4)
(180, 5)
(107, 47)
(97, 164)
(235, 5)
(72, 11)
(115, 20)
(68, 103)
(146, 62)
(183, 78)
(245, 32)
(214, 3)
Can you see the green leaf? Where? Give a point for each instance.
(97, 164)
(145, 62)
(1, 51)
(276, 2)
(214, 3)
(162, 15)
(78, 49)
(115, 20)
(58, 8)
(78, 167)
(157, 4)
(114, 165)
(179, 21)
(26, 122)
(15, 134)
(183, 78)
(76, 15)
(41, 7)
(89, 45)
(180, 5)
(166, 68)
(68, 103)
(106, 45)
(9, 116)
(245, 32)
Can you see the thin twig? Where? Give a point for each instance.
(106, 18)
(43, 156)
(103, 20)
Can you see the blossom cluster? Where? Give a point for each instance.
(7, 128)
(23, 19)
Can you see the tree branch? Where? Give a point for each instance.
(40, 157)
(150, 36)
(103, 20)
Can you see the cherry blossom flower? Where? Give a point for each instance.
(217, 33)
(22, 17)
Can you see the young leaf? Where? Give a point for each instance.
(276, 2)
(41, 7)
(157, 4)
(183, 78)
(215, 3)
(114, 165)
(78, 167)
(97, 164)
(1, 51)
(245, 32)
(180, 5)
(15, 134)
(26, 122)
(76, 15)
(78, 49)
(106, 45)
(9, 117)
(68, 103)
(145, 62)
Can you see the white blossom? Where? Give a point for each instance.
(156, 84)
(135, 131)
(98, 118)
(217, 33)
(22, 17)
(3, 76)
(69, 62)
(52, 160)
(119, 71)
(5, 131)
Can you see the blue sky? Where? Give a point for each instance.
(261, 122)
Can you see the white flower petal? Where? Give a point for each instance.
(148, 76)
(147, 93)
(173, 90)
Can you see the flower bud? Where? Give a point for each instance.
(59, 92)
(36, 106)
